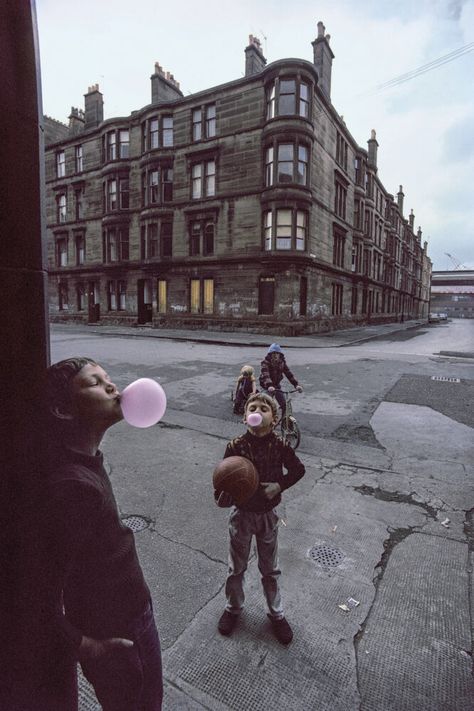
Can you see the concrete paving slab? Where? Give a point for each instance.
(417, 437)
(414, 654)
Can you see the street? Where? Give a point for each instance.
(383, 515)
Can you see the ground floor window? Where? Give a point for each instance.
(354, 300)
(202, 296)
(63, 298)
(116, 295)
(336, 302)
(162, 289)
(81, 297)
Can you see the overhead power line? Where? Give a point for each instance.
(434, 64)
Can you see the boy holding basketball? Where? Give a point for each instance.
(256, 516)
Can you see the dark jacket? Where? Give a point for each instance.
(269, 455)
(272, 373)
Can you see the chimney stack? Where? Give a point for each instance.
(400, 196)
(373, 145)
(164, 86)
(254, 60)
(94, 107)
(323, 57)
(411, 219)
(76, 121)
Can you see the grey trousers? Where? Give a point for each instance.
(264, 526)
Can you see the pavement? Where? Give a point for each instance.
(386, 531)
(345, 337)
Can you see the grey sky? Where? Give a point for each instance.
(425, 126)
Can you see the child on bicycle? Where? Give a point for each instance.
(246, 385)
(273, 368)
(257, 516)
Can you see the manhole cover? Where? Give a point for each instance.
(326, 556)
(135, 523)
(442, 379)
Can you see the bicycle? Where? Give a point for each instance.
(290, 431)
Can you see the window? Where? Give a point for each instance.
(201, 296)
(201, 237)
(267, 230)
(195, 296)
(339, 240)
(78, 159)
(111, 146)
(162, 296)
(301, 229)
(157, 239)
(61, 251)
(117, 193)
(357, 215)
(208, 300)
(354, 298)
(116, 144)
(336, 302)
(341, 151)
(80, 247)
(285, 228)
(112, 194)
(63, 298)
(340, 200)
(79, 203)
(157, 185)
(81, 297)
(116, 244)
(203, 179)
(166, 239)
(167, 131)
(116, 295)
(288, 97)
(359, 172)
(124, 193)
(157, 132)
(204, 122)
(124, 143)
(61, 208)
(292, 164)
(60, 164)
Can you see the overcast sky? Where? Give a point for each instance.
(425, 126)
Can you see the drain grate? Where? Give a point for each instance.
(443, 379)
(327, 556)
(135, 523)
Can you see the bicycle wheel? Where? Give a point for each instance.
(290, 432)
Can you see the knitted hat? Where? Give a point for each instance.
(275, 348)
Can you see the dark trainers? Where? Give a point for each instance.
(227, 623)
(282, 630)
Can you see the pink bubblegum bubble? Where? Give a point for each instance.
(143, 402)
(254, 419)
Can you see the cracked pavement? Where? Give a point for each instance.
(396, 504)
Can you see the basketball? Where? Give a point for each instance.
(237, 476)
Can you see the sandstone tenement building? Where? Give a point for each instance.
(247, 205)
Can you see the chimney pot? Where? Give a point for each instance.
(322, 58)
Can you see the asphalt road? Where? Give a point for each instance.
(388, 495)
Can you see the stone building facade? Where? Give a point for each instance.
(248, 205)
